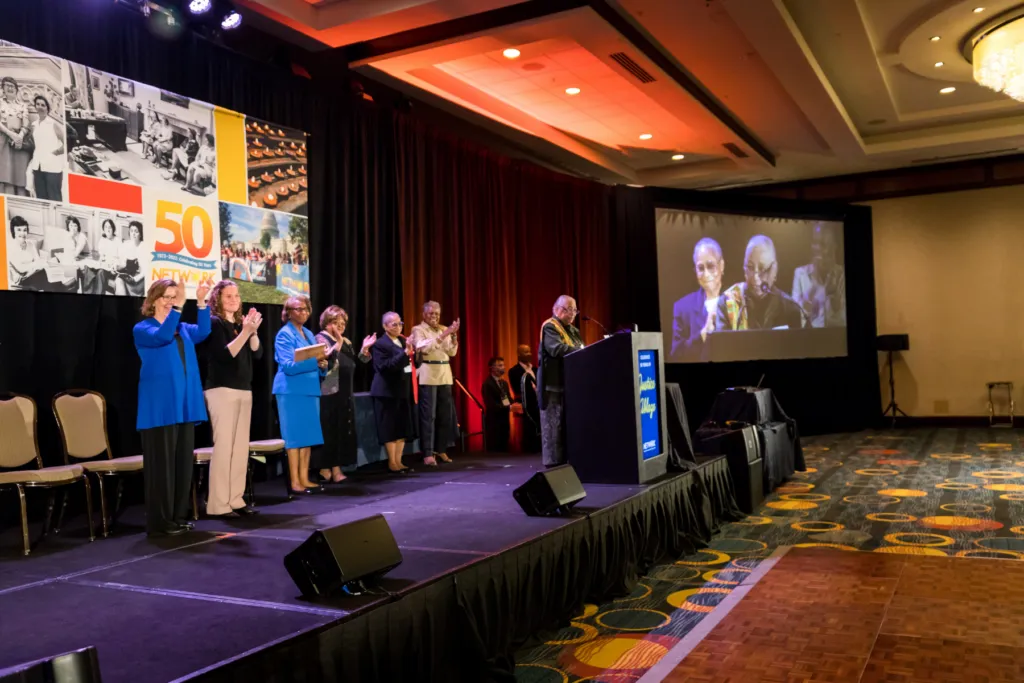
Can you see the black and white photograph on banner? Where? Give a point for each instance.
(277, 176)
(266, 253)
(132, 132)
(32, 139)
(63, 248)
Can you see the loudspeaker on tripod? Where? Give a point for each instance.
(554, 490)
(333, 557)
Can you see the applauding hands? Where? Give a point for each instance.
(251, 322)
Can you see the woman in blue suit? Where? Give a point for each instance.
(170, 402)
(297, 388)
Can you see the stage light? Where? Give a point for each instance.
(511, 53)
(572, 91)
(979, 10)
(935, 38)
(947, 90)
(646, 136)
(199, 6)
(231, 20)
(678, 157)
(939, 64)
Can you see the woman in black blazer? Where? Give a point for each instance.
(392, 391)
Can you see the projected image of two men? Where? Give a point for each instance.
(780, 281)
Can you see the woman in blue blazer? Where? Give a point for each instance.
(297, 388)
(170, 402)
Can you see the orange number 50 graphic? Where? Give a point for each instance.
(183, 231)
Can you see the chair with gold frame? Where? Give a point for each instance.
(19, 447)
(82, 417)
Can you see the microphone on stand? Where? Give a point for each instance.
(587, 318)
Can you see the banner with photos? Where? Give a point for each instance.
(108, 184)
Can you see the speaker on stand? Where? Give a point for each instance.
(891, 343)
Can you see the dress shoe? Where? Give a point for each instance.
(173, 530)
(246, 511)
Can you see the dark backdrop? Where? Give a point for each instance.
(823, 394)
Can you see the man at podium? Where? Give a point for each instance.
(558, 337)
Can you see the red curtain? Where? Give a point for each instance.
(495, 241)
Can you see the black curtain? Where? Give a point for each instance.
(52, 342)
(822, 394)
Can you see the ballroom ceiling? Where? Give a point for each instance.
(688, 93)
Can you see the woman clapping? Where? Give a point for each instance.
(170, 401)
(231, 349)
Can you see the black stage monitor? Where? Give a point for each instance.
(341, 555)
(554, 490)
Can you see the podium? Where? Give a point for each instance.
(615, 410)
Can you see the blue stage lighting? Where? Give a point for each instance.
(199, 6)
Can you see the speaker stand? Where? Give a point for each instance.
(893, 407)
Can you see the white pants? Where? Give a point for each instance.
(230, 413)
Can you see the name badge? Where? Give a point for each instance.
(505, 402)
(408, 369)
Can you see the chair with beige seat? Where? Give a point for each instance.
(258, 450)
(82, 417)
(19, 448)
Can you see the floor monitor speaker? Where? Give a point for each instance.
(331, 558)
(554, 490)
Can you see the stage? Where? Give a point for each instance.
(479, 577)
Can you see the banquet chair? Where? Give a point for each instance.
(258, 451)
(18, 448)
(82, 418)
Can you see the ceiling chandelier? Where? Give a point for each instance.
(998, 57)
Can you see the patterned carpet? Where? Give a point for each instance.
(948, 492)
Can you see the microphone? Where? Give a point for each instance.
(765, 288)
(587, 318)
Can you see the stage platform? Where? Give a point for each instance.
(479, 577)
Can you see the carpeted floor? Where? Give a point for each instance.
(948, 492)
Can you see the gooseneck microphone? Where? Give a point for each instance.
(587, 318)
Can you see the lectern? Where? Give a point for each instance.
(614, 415)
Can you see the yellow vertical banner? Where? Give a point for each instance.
(3, 244)
(231, 156)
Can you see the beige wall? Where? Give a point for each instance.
(949, 271)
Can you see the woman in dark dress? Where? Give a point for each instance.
(337, 410)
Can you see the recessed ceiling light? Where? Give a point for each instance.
(938, 64)
(572, 91)
(934, 38)
(947, 90)
(511, 53)
(646, 136)
(978, 10)
(678, 157)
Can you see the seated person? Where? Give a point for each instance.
(130, 278)
(819, 288)
(26, 267)
(163, 142)
(183, 155)
(756, 303)
(202, 171)
(693, 316)
(497, 407)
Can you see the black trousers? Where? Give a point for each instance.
(49, 185)
(497, 431)
(167, 457)
(437, 412)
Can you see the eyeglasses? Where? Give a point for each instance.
(395, 323)
(572, 309)
(169, 297)
(762, 273)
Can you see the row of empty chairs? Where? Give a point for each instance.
(81, 417)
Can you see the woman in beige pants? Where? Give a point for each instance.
(230, 350)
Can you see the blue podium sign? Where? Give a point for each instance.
(650, 420)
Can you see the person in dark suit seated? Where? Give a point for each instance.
(497, 406)
(523, 382)
(693, 316)
(756, 303)
(170, 401)
(391, 390)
